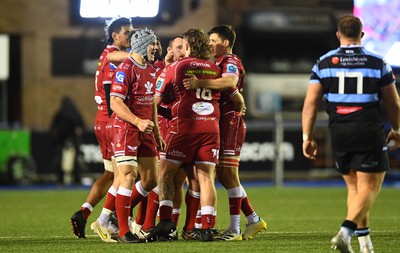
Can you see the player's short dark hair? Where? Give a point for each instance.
(226, 32)
(350, 26)
(198, 42)
(115, 26)
(173, 38)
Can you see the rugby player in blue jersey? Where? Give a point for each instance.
(353, 81)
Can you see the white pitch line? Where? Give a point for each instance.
(263, 233)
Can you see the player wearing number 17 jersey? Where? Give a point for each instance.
(353, 81)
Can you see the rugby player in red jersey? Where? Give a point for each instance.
(174, 53)
(148, 207)
(117, 39)
(153, 56)
(233, 131)
(193, 135)
(136, 132)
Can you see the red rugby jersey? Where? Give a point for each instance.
(230, 64)
(194, 111)
(135, 84)
(104, 73)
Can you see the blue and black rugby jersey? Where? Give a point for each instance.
(352, 78)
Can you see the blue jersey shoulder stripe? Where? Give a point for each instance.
(351, 98)
(366, 72)
(314, 81)
(330, 53)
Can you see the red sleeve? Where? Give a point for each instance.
(165, 81)
(121, 82)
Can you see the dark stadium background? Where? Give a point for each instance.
(52, 52)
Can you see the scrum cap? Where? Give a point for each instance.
(140, 39)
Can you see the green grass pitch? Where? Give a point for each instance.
(299, 220)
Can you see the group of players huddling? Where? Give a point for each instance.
(161, 123)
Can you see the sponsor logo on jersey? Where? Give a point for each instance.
(160, 83)
(98, 100)
(206, 72)
(145, 100)
(347, 109)
(194, 64)
(117, 87)
(153, 74)
(203, 108)
(204, 118)
(230, 68)
(148, 87)
(119, 77)
(335, 60)
(353, 60)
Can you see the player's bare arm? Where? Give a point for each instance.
(117, 57)
(157, 100)
(159, 139)
(119, 107)
(220, 84)
(238, 103)
(392, 103)
(309, 115)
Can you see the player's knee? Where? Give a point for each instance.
(149, 180)
(149, 183)
(193, 184)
